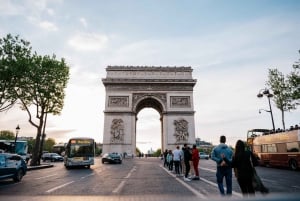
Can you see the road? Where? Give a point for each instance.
(138, 177)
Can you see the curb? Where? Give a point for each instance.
(29, 168)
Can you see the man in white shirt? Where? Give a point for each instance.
(177, 155)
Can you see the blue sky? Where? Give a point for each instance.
(229, 44)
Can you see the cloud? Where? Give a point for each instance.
(82, 20)
(48, 26)
(88, 41)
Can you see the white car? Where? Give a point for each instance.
(203, 155)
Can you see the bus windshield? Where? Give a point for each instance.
(80, 152)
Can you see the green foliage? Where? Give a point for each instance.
(157, 153)
(14, 57)
(7, 135)
(286, 89)
(294, 82)
(49, 144)
(36, 82)
(281, 89)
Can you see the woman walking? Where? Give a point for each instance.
(244, 161)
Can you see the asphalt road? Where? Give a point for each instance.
(144, 177)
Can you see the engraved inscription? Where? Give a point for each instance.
(181, 130)
(117, 131)
(180, 101)
(118, 101)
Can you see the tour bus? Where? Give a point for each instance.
(276, 149)
(59, 149)
(8, 146)
(79, 151)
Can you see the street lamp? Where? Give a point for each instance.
(17, 132)
(266, 92)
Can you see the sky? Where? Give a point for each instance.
(229, 44)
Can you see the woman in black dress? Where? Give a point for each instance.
(243, 162)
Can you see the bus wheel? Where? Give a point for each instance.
(293, 164)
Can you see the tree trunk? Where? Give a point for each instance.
(282, 118)
(35, 155)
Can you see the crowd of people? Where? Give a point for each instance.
(184, 162)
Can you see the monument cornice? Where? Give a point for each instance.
(150, 68)
(139, 81)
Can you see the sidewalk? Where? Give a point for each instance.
(41, 166)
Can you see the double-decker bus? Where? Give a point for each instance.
(276, 149)
(80, 151)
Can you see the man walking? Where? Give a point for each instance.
(187, 157)
(176, 159)
(222, 155)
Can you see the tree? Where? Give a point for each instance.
(7, 135)
(282, 93)
(38, 84)
(294, 82)
(14, 56)
(41, 91)
(49, 144)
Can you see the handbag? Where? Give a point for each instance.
(256, 181)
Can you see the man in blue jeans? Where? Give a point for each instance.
(222, 155)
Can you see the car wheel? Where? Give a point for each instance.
(293, 164)
(18, 176)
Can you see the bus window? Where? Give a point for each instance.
(281, 147)
(269, 148)
(292, 147)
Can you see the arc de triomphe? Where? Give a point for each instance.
(129, 89)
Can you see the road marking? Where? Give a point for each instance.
(202, 179)
(45, 176)
(87, 176)
(57, 187)
(198, 194)
(207, 169)
(214, 184)
(120, 186)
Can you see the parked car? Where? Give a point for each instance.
(203, 155)
(52, 157)
(112, 158)
(12, 166)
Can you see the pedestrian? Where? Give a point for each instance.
(170, 160)
(165, 158)
(195, 159)
(187, 157)
(182, 165)
(176, 160)
(243, 161)
(222, 155)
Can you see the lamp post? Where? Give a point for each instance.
(17, 132)
(266, 92)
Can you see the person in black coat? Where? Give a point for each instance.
(243, 162)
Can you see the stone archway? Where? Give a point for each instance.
(169, 90)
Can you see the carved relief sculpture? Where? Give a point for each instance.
(118, 101)
(181, 130)
(180, 101)
(117, 131)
